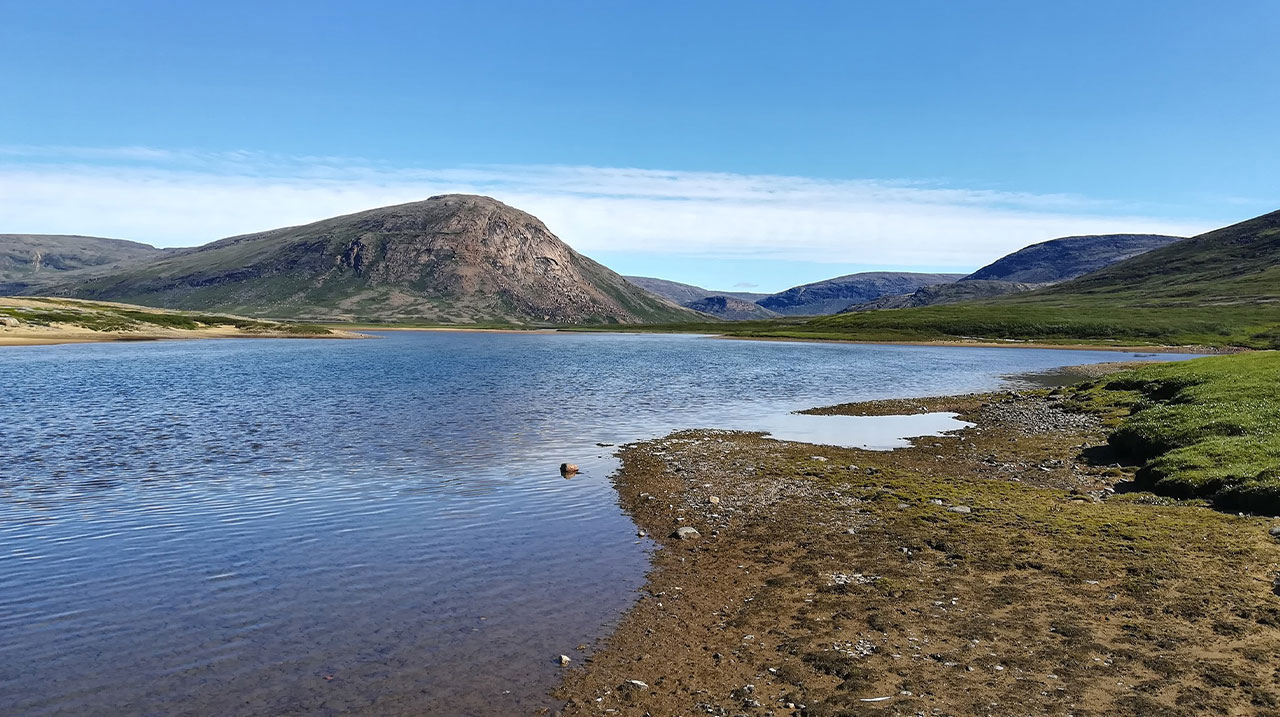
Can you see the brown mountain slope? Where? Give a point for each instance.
(451, 258)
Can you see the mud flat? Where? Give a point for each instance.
(1002, 570)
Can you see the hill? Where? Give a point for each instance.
(1221, 288)
(835, 295)
(1069, 257)
(451, 258)
(685, 294)
(28, 260)
(965, 290)
(730, 309)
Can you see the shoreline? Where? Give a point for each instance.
(59, 338)
(1001, 569)
(1000, 345)
(1214, 350)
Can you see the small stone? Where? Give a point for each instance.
(641, 534)
(903, 506)
(713, 500)
(1275, 531)
(568, 469)
(935, 501)
(564, 660)
(633, 685)
(962, 509)
(686, 532)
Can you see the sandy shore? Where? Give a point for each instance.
(990, 572)
(49, 336)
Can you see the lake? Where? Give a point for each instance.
(245, 527)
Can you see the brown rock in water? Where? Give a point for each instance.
(568, 469)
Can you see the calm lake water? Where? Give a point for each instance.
(254, 527)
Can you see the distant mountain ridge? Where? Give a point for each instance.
(955, 292)
(1236, 263)
(731, 309)
(1031, 267)
(835, 295)
(1068, 257)
(32, 259)
(451, 259)
(685, 293)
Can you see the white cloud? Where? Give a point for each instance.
(182, 198)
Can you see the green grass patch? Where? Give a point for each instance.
(1207, 428)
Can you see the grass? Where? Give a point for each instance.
(1207, 428)
(115, 318)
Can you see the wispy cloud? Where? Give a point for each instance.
(176, 198)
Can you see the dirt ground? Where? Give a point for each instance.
(995, 571)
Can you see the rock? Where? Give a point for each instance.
(962, 509)
(568, 469)
(713, 500)
(903, 506)
(633, 685)
(641, 534)
(564, 660)
(9, 321)
(935, 501)
(1275, 531)
(686, 533)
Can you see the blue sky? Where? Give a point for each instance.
(720, 143)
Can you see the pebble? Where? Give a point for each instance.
(713, 500)
(686, 533)
(633, 685)
(1275, 531)
(564, 659)
(962, 509)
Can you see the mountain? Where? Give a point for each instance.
(1233, 265)
(684, 294)
(32, 259)
(1221, 288)
(835, 295)
(964, 290)
(452, 258)
(1028, 268)
(731, 309)
(1068, 257)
